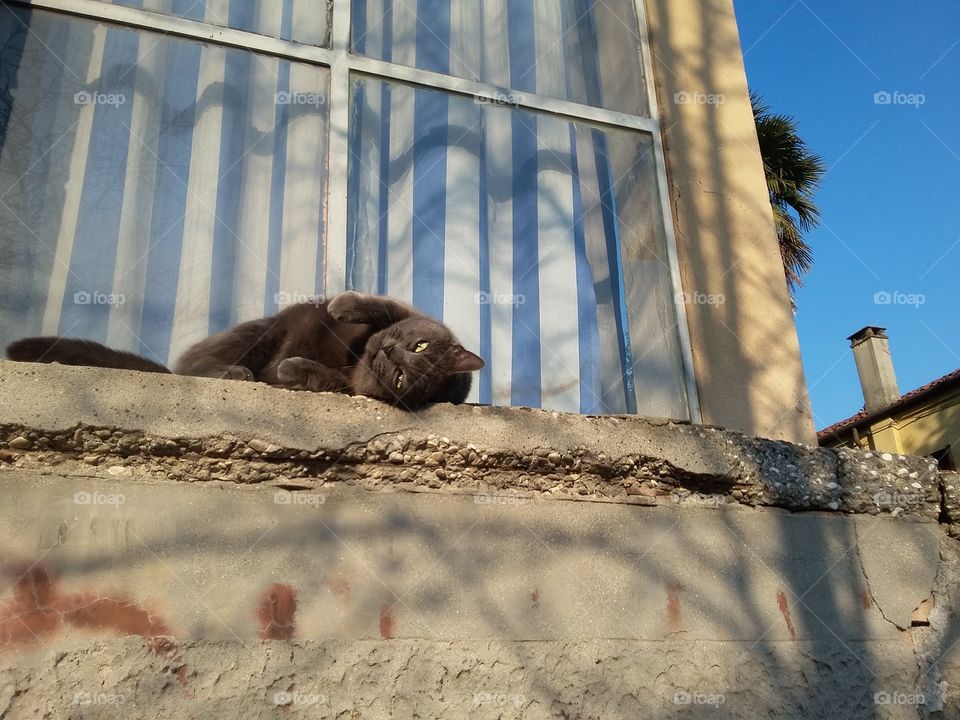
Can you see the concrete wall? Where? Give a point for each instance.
(746, 354)
(182, 547)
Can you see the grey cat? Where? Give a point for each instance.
(355, 344)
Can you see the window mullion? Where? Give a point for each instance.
(335, 253)
(184, 27)
(497, 95)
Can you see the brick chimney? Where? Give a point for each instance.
(871, 350)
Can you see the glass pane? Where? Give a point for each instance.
(303, 21)
(152, 190)
(529, 235)
(587, 51)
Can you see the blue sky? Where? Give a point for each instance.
(891, 197)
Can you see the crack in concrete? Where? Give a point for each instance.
(866, 582)
(929, 640)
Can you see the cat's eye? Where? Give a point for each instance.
(421, 346)
(399, 382)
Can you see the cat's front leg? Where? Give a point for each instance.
(374, 310)
(299, 373)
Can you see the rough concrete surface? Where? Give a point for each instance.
(178, 547)
(620, 679)
(196, 428)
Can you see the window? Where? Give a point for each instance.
(169, 170)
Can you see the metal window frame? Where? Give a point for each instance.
(344, 65)
(663, 190)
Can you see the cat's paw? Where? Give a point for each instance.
(237, 372)
(294, 370)
(299, 373)
(347, 307)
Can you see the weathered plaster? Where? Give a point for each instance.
(181, 547)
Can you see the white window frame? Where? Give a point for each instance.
(343, 65)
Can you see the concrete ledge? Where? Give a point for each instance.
(200, 429)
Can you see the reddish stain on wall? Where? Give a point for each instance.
(674, 613)
(535, 598)
(276, 612)
(386, 621)
(181, 674)
(37, 610)
(865, 601)
(340, 587)
(785, 611)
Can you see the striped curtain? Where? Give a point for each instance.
(303, 21)
(155, 190)
(509, 43)
(528, 234)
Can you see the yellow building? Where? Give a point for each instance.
(925, 421)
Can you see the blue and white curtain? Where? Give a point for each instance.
(303, 21)
(586, 51)
(541, 240)
(155, 190)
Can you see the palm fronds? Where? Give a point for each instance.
(793, 174)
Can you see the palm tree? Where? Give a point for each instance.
(793, 175)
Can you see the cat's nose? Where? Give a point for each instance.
(388, 347)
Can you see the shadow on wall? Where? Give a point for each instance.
(744, 346)
(458, 559)
(358, 565)
(708, 226)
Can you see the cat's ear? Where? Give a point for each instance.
(462, 360)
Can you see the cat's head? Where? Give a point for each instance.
(415, 362)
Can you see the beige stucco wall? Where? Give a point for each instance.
(745, 348)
